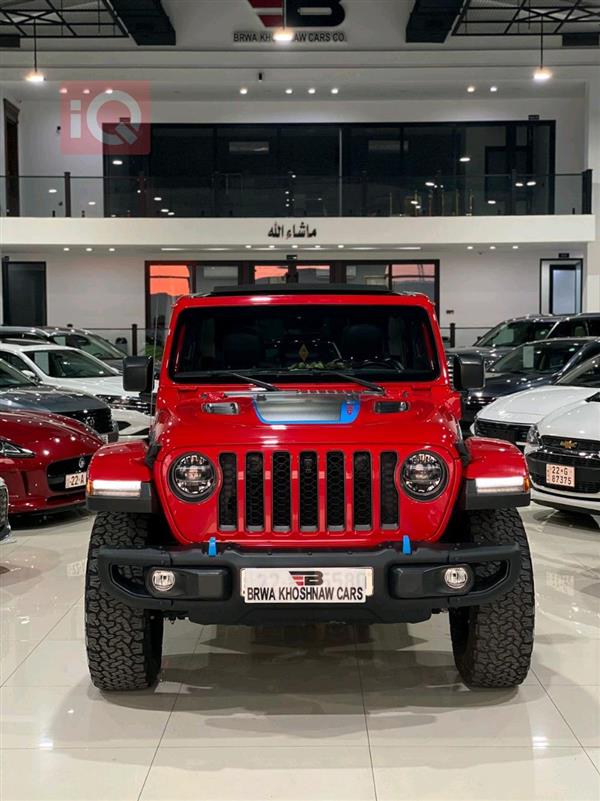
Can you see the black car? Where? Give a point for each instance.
(17, 391)
(71, 337)
(528, 366)
(4, 524)
(505, 336)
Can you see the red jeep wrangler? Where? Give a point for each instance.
(306, 465)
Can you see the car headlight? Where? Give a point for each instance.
(533, 437)
(193, 477)
(424, 476)
(11, 451)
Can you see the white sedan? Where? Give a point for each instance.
(73, 369)
(511, 416)
(563, 456)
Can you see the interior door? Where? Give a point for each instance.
(24, 292)
(11, 147)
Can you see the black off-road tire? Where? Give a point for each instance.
(124, 645)
(492, 643)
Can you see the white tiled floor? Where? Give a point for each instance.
(321, 713)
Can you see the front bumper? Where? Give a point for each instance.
(405, 585)
(588, 504)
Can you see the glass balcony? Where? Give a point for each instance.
(296, 195)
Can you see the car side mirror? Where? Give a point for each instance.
(31, 376)
(138, 374)
(469, 371)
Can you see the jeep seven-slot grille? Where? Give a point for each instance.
(309, 491)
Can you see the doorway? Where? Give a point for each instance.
(561, 286)
(24, 293)
(11, 153)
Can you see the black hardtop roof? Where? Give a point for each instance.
(301, 289)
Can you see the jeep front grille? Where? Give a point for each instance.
(308, 491)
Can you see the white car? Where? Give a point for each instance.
(563, 456)
(73, 369)
(511, 416)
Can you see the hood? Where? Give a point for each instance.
(490, 355)
(29, 430)
(288, 417)
(51, 399)
(579, 420)
(498, 384)
(106, 385)
(531, 405)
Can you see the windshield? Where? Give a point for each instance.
(9, 377)
(69, 364)
(509, 335)
(584, 375)
(90, 343)
(549, 356)
(307, 342)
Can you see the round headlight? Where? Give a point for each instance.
(193, 477)
(424, 476)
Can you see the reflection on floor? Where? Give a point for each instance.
(318, 713)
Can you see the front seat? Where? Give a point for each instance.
(362, 341)
(242, 350)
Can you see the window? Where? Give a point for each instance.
(544, 357)
(305, 342)
(166, 283)
(15, 361)
(9, 377)
(69, 364)
(515, 333)
(585, 375)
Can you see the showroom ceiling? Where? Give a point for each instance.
(144, 20)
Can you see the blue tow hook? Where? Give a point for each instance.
(212, 546)
(406, 545)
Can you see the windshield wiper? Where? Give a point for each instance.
(340, 374)
(246, 378)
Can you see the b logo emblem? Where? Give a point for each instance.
(307, 578)
(300, 13)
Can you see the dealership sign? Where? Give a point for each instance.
(313, 21)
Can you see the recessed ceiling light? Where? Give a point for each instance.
(243, 90)
(171, 214)
(109, 91)
(415, 202)
(429, 183)
(295, 247)
(317, 247)
(52, 191)
(335, 91)
(470, 89)
(66, 250)
(531, 183)
(410, 247)
(63, 90)
(216, 250)
(117, 162)
(493, 88)
(465, 159)
(89, 250)
(289, 91)
(111, 250)
(492, 247)
(515, 247)
(86, 91)
(491, 202)
(164, 211)
(469, 247)
(171, 250)
(271, 247)
(341, 246)
(248, 247)
(312, 91)
(91, 202)
(158, 199)
(519, 183)
(363, 248)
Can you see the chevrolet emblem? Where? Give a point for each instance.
(568, 444)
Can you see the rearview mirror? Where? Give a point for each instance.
(138, 374)
(469, 371)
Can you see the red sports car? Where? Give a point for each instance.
(44, 460)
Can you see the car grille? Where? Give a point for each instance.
(587, 446)
(3, 506)
(475, 404)
(511, 432)
(587, 470)
(57, 471)
(98, 419)
(308, 491)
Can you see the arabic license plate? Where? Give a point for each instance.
(560, 475)
(315, 585)
(73, 480)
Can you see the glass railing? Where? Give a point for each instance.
(296, 195)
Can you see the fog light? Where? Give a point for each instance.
(456, 578)
(163, 580)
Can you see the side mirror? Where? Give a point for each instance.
(138, 374)
(31, 376)
(469, 371)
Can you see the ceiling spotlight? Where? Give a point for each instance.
(271, 247)
(515, 247)
(64, 90)
(171, 214)
(108, 91)
(531, 183)
(86, 91)
(493, 88)
(89, 250)
(248, 247)
(542, 73)
(66, 250)
(410, 247)
(312, 91)
(469, 247)
(295, 247)
(91, 202)
(317, 247)
(52, 191)
(164, 211)
(470, 89)
(111, 250)
(35, 76)
(341, 247)
(491, 202)
(243, 90)
(465, 159)
(492, 247)
(335, 91)
(118, 162)
(158, 198)
(429, 183)
(519, 183)
(415, 202)
(289, 91)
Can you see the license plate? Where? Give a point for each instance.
(73, 480)
(314, 585)
(560, 475)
